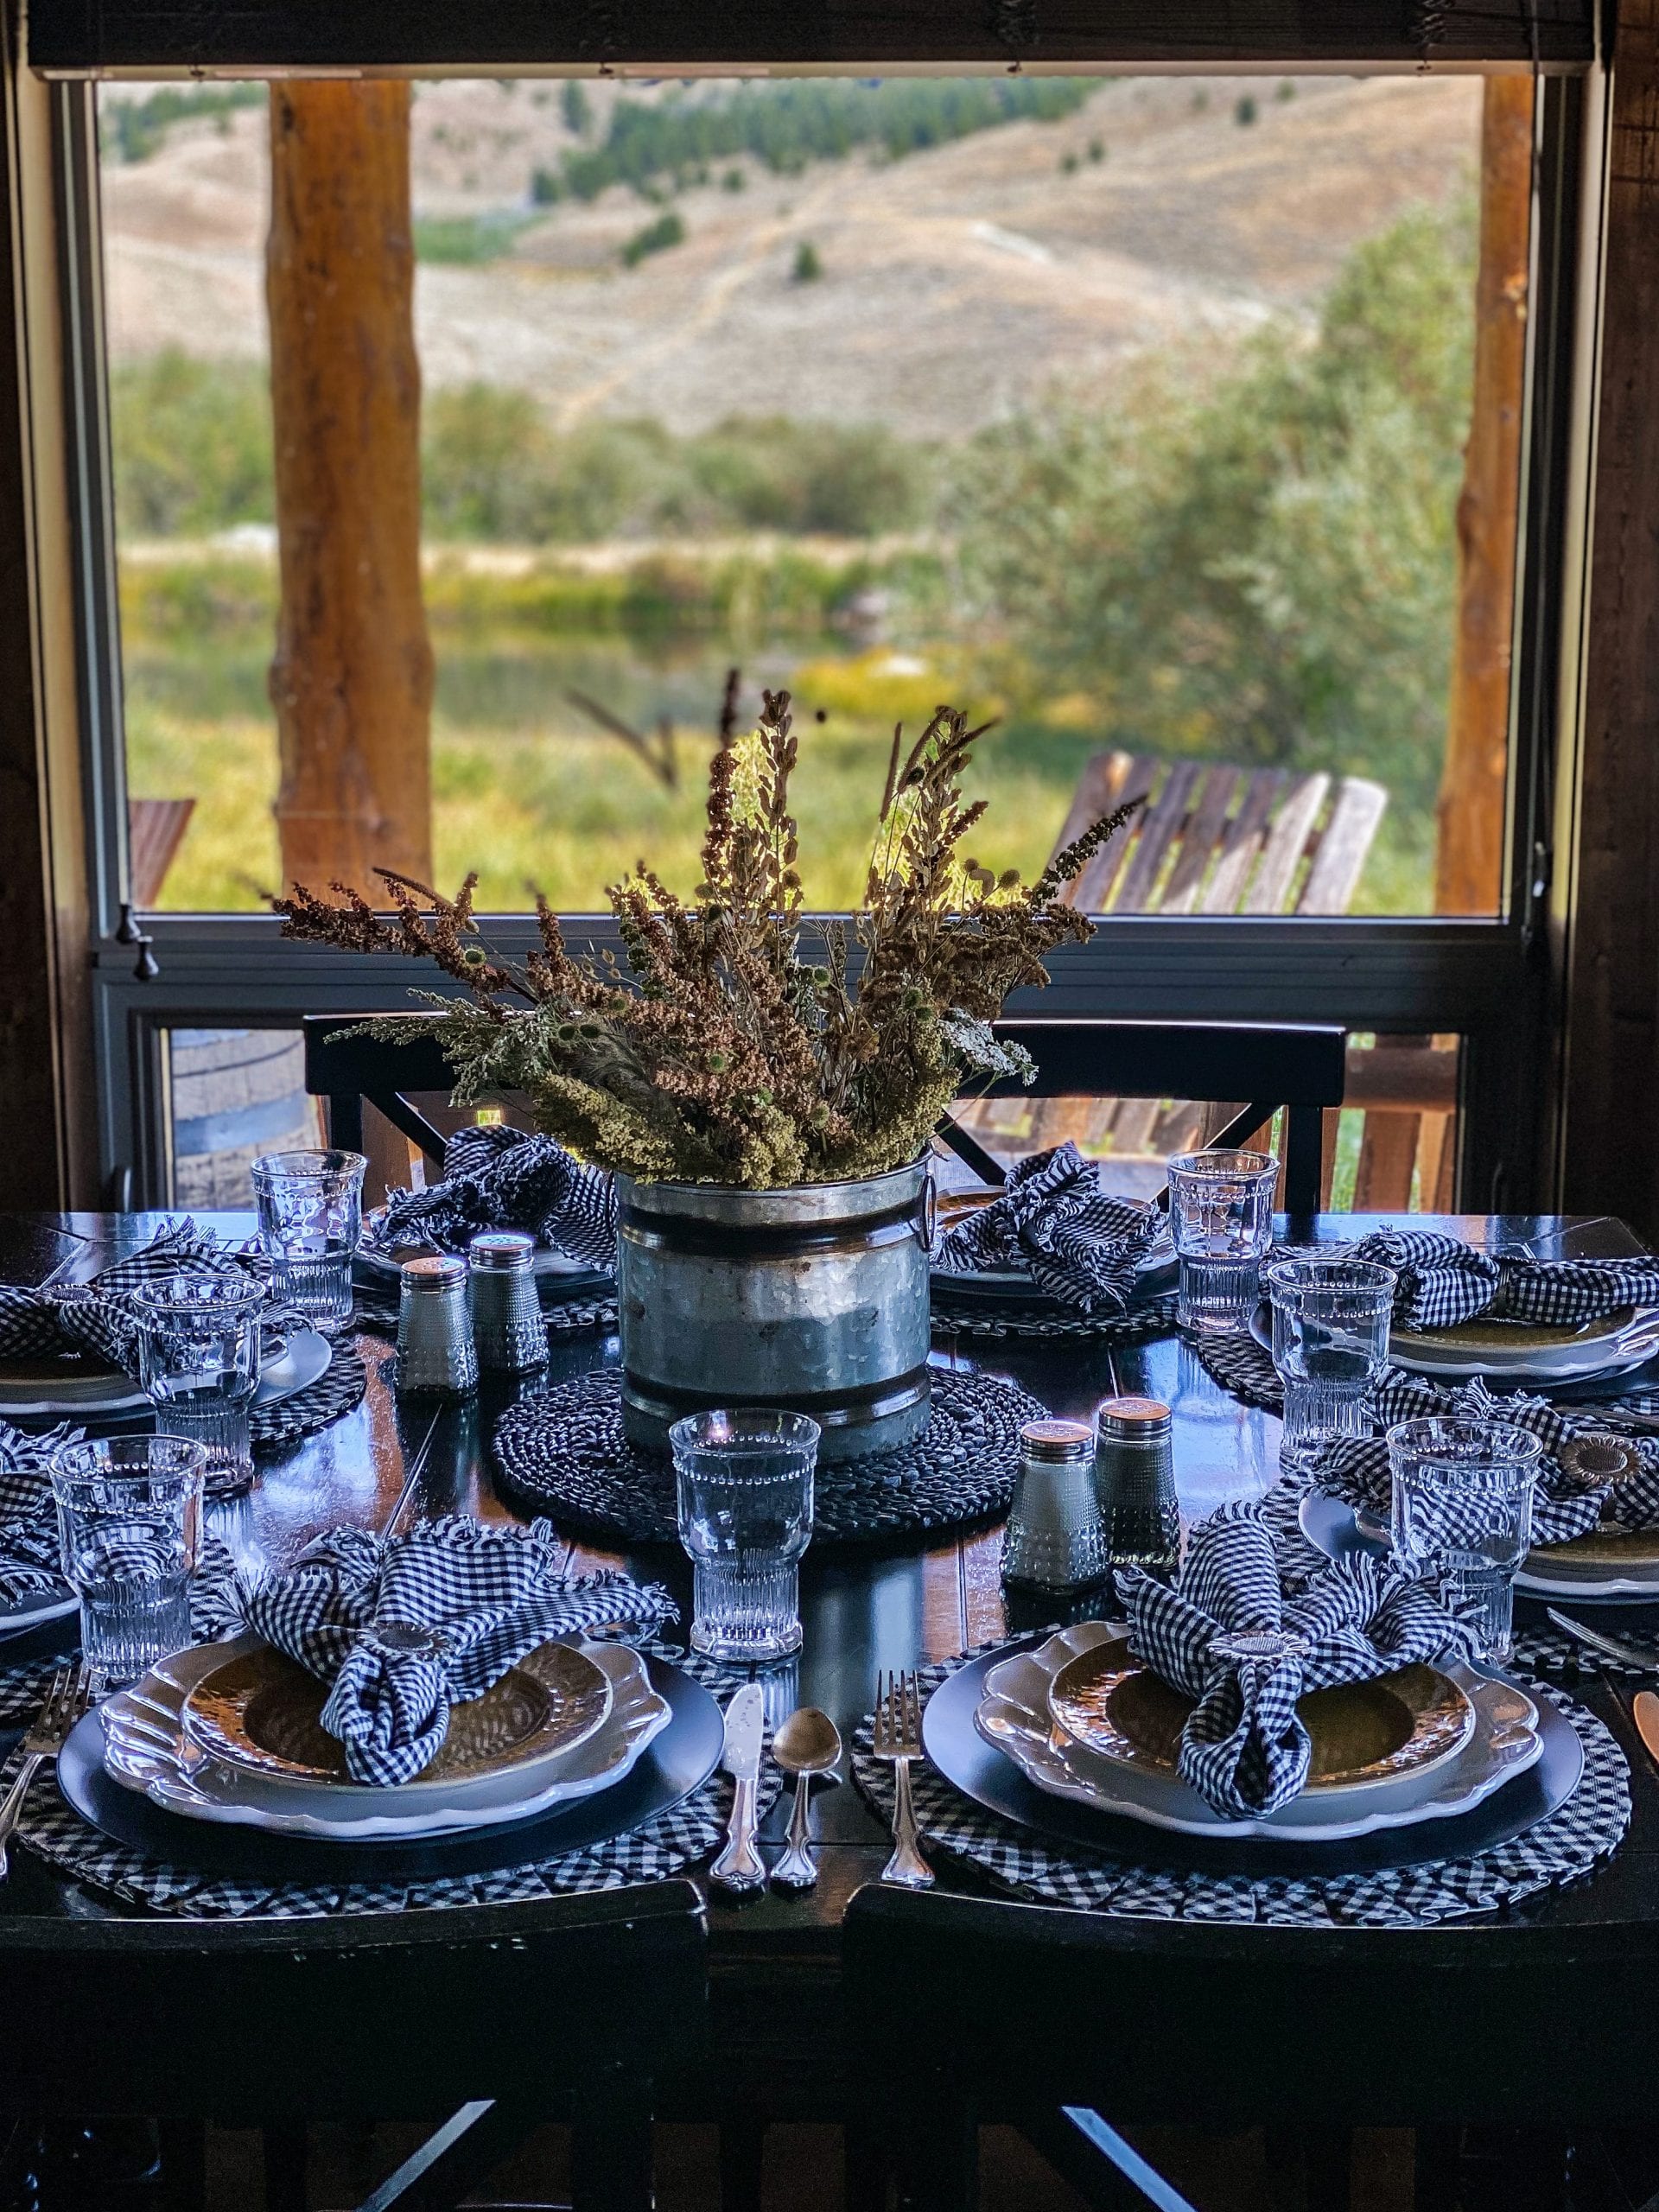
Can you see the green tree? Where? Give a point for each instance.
(808, 266)
(575, 107)
(1257, 562)
(192, 445)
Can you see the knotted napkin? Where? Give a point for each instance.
(1586, 1475)
(29, 1559)
(497, 1178)
(1053, 1220)
(98, 1317)
(406, 1627)
(1228, 1635)
(1443, 1281)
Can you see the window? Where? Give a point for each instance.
(1132, 411)
(1136, 411)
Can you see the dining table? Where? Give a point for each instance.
(775, 2028)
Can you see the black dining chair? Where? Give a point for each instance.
(1071, 2027)
(494, 2019)
(1295, 1067)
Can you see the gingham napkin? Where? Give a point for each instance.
(497, 1178)
(1053, 1220)
(1443, 1281)
(1228, 1636)
(405, 1627)
(98, 1317)
(29, 1519)
(1569, 1500)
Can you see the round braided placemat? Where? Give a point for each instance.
(564, 1454)
(566, 1320)
(1046, 1318)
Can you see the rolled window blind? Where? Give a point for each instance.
(438, 37)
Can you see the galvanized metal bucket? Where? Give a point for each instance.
(813, 1299)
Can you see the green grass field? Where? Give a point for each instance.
(528, 792)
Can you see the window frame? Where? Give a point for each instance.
(1494, 982)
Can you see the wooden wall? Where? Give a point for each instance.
(1610, 1150)
(46, 1092)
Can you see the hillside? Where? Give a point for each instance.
(953, 281)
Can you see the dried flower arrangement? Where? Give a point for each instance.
(725, 1051)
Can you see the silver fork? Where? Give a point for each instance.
(899, 1739)
(67, 1699)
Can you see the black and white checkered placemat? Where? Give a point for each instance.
(1568, 1844)
(665, 1846)
(1040, 1319)
(564, 1454)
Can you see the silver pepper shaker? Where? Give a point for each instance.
(1054, 1540)
(1135, 1484)
(508, 1332)
(434, 1329)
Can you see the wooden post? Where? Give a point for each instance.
(1469, 855)
(352, 681)
(1609, 1160)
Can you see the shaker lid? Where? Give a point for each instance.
(499, 1248)
(435, 1271)
(1056, 1441)
(1132, 1418)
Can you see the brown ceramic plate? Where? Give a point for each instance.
(262, 1711)
(1601, 1547)
(1484, 1334)
(1403, 1723)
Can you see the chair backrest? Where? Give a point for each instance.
(1214, 839)
(1296, 1067)
(1222, 2024)
(372, 2015)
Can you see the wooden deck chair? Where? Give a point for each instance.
(1215, 839)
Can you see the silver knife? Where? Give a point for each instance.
(740, 1867)
(1610, 1647)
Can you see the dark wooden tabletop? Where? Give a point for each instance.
(860, 1612)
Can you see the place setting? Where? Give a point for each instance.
(1052, 1254)
(501, 1181)
(443, 1715)
(1232, 1740)
(232, 1347)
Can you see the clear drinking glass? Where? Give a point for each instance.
(744, 1485)
(1462, 1506)
(1221, 1218)
(1330, 1341)
(311, 1223)
(199, 1361)
(130, 1526)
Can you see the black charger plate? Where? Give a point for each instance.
(680, 1760)
(961, 1754)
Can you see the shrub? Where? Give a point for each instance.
(192, 444)
(656, 237)
(808, 267)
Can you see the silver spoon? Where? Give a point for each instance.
(809, 1742)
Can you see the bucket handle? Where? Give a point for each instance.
(929, 1221)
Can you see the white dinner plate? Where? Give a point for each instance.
(34, 1611)
(557, 1275)
(1156, 1274)
(145, 1749)
(1334, 1528)
(54, 1387)
(1013, 1716)
(1586, 1359)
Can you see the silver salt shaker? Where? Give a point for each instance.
(434, 1329)
(1135, 1484)
(508, 1333)
(1054, 1540)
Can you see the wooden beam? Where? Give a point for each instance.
(351, 682)
(1610, 1160)
(1469, 854)
(46, 1077)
